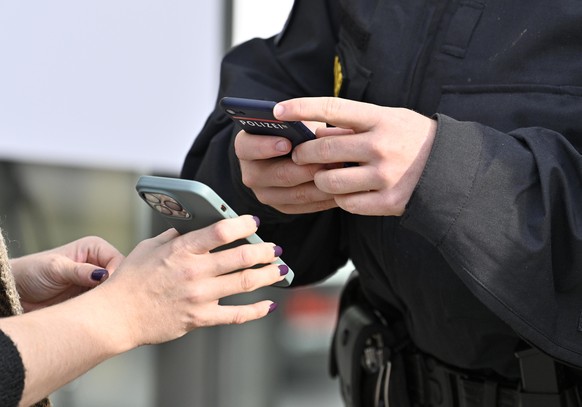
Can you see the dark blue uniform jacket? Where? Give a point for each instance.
(489, 249)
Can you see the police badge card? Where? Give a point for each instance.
(256, 117)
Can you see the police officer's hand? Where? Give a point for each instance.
(389, 145)
(275, 179)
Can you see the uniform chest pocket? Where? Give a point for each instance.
(509, 107)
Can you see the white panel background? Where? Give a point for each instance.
(106, 83)
(258, 18)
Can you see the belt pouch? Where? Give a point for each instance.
(355, 327)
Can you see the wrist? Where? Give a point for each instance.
(106, 315)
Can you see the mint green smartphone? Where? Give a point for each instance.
(191, 205)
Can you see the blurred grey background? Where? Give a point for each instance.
(95, 93)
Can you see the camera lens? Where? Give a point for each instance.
(162, 209)
(151, 197)
(173, 205)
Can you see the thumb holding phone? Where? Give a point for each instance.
(263, 148)
(275, 179)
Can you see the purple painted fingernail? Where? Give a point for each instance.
(273, 307)
(257, 220)
(283, 269)
(278, 251)
(99, 274)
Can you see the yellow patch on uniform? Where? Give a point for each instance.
(338, 76)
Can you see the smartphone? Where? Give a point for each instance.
(190, 205)
(256, 117)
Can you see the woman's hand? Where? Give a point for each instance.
(58, 274)
(171, 284)
(167, 286)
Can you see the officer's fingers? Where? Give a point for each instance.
(259, 147)
(303, 194)
(276, 173)
(313, 207)
(344, 113)
(315, 126)
(333, 131)
(353, 148)
(349, 180)
(374, 203)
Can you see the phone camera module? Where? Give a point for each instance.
(166, 205)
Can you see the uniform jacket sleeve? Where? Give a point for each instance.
(510, 224)
(275, 69)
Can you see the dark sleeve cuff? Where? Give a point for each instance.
(11, 373)
(443, 190)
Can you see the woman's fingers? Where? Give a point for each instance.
(238, 282)
(242, 257)
(236, 314)
(211, 237)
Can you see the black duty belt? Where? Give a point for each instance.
(432, 383)
(379, 367)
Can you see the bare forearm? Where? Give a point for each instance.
(59, 343)
(167, 286)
